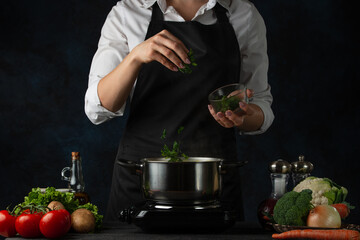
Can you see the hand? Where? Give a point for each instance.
(164, 48)
(235, 118)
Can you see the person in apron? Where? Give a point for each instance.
(165, 98)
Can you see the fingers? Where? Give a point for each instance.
(246, 110)
(231, 119)
(225, 119)
(177, 45)
(221, 118)
(250, 93)
(164, 61)
(215, 116)
(234, 93)
(164, 48)
(171, 48)
(235, 119)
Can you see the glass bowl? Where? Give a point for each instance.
(228, 97)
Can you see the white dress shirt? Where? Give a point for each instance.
(126, 26)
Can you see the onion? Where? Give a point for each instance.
(324, 216)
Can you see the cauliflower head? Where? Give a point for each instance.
(324, 191)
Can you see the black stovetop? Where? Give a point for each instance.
(152, 217)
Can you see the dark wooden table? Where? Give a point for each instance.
(241, 230)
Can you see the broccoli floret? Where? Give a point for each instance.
(293, 208)
(293, 217)
(302, 202)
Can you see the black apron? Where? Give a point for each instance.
(164, 99)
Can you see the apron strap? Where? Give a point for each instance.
(220, 12)
(156, 13)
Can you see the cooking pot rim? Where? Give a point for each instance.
(188, 160)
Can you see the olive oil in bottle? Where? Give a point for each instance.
(76, 180)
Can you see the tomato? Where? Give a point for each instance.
(68, 215)
(55, 223)
(27, 224)
(7, 224)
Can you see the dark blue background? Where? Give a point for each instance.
(45, 54)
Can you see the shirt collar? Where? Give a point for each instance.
(211, 3)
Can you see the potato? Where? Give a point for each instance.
(55, 205)
(83, 221)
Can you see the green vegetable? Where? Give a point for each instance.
(324, 190)
(43, 199)
(293, 208)
(227, 103)
(187, 67)
(180, 129)
(38, 198)
(174, 154)
(163, 136)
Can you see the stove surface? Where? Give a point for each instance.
(152, 217)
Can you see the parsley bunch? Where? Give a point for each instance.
(174, 154)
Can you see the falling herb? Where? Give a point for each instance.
(163, 136)
(187, 67)
(180, 129)
(174, 154)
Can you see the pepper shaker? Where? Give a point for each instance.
(300, 170)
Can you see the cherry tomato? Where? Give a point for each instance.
(55, 224)
(7, 224)
(27, 224)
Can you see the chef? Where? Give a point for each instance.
(143, 45)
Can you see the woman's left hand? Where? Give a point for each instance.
(235, 118)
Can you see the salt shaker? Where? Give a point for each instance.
(279, 175)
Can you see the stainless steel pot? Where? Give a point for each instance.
(196, 180)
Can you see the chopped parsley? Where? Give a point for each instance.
(174, 154)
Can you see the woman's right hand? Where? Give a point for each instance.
(114, 88)
(164, 48)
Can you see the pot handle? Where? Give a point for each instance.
(134, 168)
(224, 166)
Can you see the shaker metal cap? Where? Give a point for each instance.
(302, 166)
(280, 166)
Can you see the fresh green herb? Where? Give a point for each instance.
(187, 67)
(37, 198)
(163, 136)
(227, 103)
(174, 154)
(180, 129)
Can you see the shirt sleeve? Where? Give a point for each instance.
(112, 48)
(254, 67)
